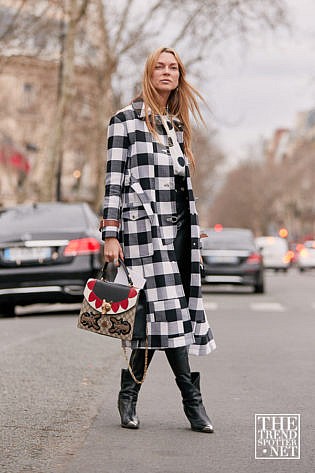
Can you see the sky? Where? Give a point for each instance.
(263, 86)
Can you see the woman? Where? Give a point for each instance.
(150, 221)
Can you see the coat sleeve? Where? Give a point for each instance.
(117, 151)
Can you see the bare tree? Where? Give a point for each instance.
(249, 197)
(192, 26)
(113, 37)
(204, 177)
(266, 195)
(297, 206)
(73, 12)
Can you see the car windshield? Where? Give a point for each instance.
(272, 242)
(236, 240)
(30, 218)
(309, 244)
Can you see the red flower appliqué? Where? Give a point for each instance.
(114, 305)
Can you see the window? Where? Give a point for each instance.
(28, 96)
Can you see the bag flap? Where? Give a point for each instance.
(119, 296)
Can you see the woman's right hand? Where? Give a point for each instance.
(112, 251)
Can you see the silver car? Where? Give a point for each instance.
(275, 251)
(306, 256)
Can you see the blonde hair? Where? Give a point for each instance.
(181, 101)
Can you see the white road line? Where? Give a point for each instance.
(267, 306)
(210, 305)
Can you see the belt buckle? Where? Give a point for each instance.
(172, 219)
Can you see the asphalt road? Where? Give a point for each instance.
(59, 390)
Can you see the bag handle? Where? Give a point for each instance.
(122, 264)
(145, 368)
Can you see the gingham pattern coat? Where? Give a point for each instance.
(140, 194)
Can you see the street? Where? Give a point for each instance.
(59, 389)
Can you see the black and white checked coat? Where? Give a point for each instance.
(140, 194)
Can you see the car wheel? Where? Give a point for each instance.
(259, 287)
(301, 270)
(7, 310)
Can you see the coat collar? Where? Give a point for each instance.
(138, 106)
(139, 109)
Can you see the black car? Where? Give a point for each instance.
(230, 256)
(47, 252)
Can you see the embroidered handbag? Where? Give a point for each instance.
(111, 309)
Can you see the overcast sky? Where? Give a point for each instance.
(263, 87)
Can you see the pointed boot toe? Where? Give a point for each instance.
(207, 429)
(131, 424)
(129, 418)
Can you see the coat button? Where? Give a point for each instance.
(181, 161)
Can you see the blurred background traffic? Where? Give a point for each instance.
(67, 65)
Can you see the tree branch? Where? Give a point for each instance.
(81, 11)
(124, 17)
(15, 17)
(135, 35)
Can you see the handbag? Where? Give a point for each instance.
(114, 309)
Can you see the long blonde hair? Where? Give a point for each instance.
(181, 101)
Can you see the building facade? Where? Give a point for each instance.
(28, 99)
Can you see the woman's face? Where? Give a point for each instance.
(165, 74)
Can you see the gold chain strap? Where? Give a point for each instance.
(145, 369)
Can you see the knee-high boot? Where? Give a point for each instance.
(189, 385)
(129, 389)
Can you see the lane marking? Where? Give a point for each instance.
(210, 306)
(267, 306)
(255, 306)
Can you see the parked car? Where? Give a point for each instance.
(275, 251)
(230, 256)
(47, 252)
(306, 256)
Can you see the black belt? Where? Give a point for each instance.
(182, 204)
(179, 219)
(180, 183)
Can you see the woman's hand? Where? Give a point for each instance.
(112, 250)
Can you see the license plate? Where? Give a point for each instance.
(223, 279)
(222, 259)
(26, 254)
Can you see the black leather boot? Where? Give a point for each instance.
(127, 400)
(193, 405)
(189, 385)
(129, 390)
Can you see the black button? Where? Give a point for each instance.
(181, 161)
